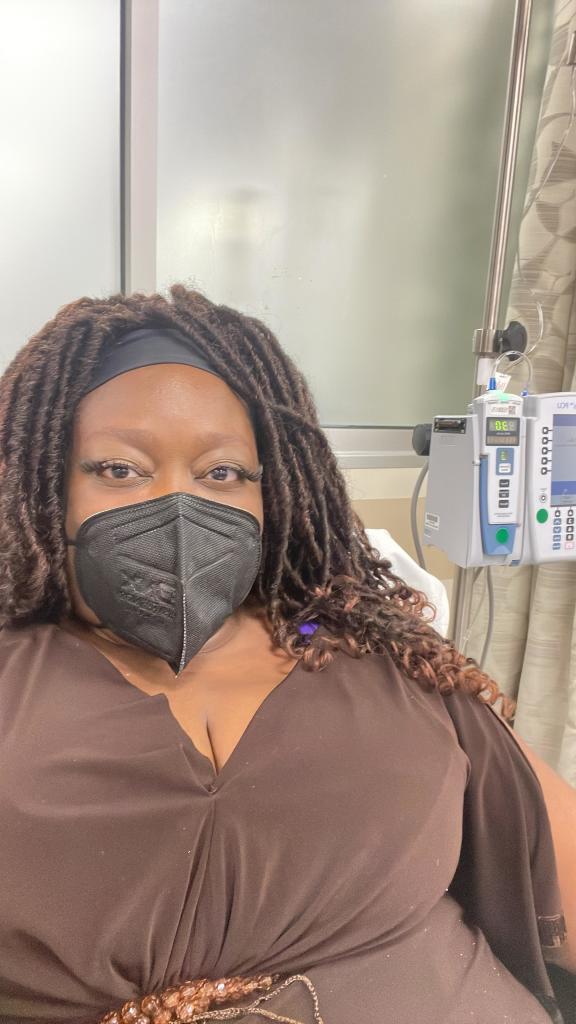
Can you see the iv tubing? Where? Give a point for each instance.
(517, 355)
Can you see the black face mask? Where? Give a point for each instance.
(165, 574)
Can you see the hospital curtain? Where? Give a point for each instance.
(533, 651)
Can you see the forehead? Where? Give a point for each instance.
(167, 399)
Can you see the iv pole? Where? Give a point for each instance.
(483, 345)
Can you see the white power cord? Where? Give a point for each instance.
(490, 627)
(413, 515)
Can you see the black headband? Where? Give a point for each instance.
(148, 346)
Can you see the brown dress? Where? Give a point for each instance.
(326, 845)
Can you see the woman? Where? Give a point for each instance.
(233, 748)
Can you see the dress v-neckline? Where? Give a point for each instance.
(217, 777)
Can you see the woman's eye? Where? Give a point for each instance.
(226, 474)
(118, 471)
(111, 470)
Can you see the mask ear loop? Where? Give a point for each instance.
(73, 544)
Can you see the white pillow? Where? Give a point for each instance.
(408, 570)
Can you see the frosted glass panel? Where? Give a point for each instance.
(59, 171)
(331, 167)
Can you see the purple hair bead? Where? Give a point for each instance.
(308, 628)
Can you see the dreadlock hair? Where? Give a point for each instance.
(317, 563)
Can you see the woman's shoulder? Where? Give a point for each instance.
(46, 675)
(459, 704)
(44, 650)
(26, 656)
(376, 678)
(32, 650)
(22, 650)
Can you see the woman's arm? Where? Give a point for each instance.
(560, 800)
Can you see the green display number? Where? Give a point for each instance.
(502, 431)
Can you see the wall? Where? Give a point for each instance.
(60, 165)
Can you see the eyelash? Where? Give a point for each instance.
(92, 466)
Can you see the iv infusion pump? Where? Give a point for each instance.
(502, 481)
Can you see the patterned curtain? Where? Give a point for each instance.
(533, 651)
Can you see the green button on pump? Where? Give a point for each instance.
(502, 536)
(542, 515)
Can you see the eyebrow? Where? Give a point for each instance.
(139, 434)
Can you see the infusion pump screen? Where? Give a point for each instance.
(564, 460)
(505, 431)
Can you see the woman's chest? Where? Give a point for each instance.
(126, 863)
(215, 708)
(339, 781)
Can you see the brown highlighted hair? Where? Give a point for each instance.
(317, 562)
